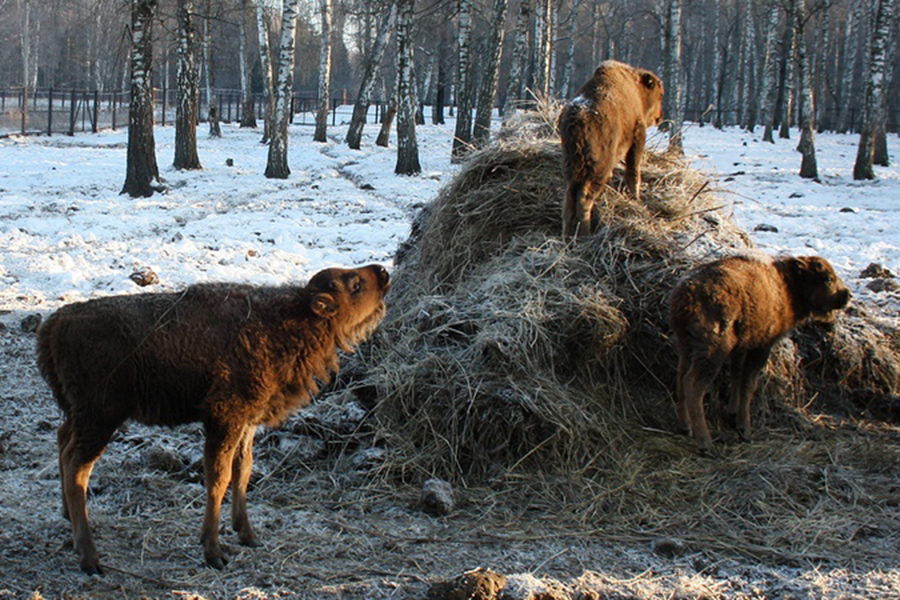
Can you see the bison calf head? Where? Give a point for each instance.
(818, 287)
(652, 92)
(353, 298)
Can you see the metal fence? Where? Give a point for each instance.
(51, 111)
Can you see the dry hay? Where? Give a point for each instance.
(544, 370)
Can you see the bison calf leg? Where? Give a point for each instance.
(222, 442)
(681, 410)
(633, 165)
(76, 459)
(240, 478)
(697, 380)
(745, 369)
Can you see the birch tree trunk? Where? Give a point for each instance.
(490, 77)
(277, 163)
(519, 57)
(569, 67)
(26, 62)
(369, 79)
(822, 80)
(141, 168)
(787, 101)
(847, 68)
(748, 102)
(209, 77)
(324, 99)
(188, 92)
(248, 113)
(463, 135)
(881, 156)
(543, 47)
(807, 146)
(873, 113)
(265, 61)
(717, 66)
(407, 145)
(767, 95)
(674, 86)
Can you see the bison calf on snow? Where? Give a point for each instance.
(734, 310)
(230, 356)
(606, 122)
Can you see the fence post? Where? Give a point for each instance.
(96, 125)
(165, 98)
(50, 112)
(24, 107)
(72, 103)
(115, 97)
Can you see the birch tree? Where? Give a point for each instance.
(566, 88)
(407, 145)
(324, 95)
(543, 40)
(26, 60)
(490, 77)
(277, 163)
(265, 61)
(873, 112)
(519, 56)
(767, 94)
(807, 146)
(790, 49)
(463, 135)
(248, 114)
(847, 68)
(369, 78)
(674, 83)
(141, 168)
(186, 156)
(209, 78)
(717, 65)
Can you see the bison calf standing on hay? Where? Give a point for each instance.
(734, 310)
(606, 122)
(230, 356)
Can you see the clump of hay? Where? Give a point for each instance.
(509, 355)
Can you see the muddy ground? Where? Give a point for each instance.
(329, 530)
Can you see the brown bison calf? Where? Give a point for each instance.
(606, 122)
(229, 356)
(734, 310)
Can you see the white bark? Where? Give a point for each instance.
(463, 134)
(848, 70)
(265, 61)
(566, 89)
(807, 146)
(277, 164)
(519, 56)
(768, 93)
(407, 145)
(873, 113)
(674, 87)
(491, 74)
(369, 80)
(324, 98)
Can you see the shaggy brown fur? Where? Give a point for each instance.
(606, 122)
(229, 356)
(734, 310)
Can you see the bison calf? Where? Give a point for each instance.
(606, 122)
(230, 356)
(734, 310)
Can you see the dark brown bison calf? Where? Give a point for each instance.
(605, 123)
(230, 356)
(734, 310)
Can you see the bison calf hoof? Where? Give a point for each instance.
(217, 562)
(250, 542)
(91, 568)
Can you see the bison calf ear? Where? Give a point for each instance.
(648, 80)
(324, 305)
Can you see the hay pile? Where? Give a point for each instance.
(512, 359)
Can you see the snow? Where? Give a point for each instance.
(67, 234)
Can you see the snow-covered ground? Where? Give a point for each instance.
(67, 234)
